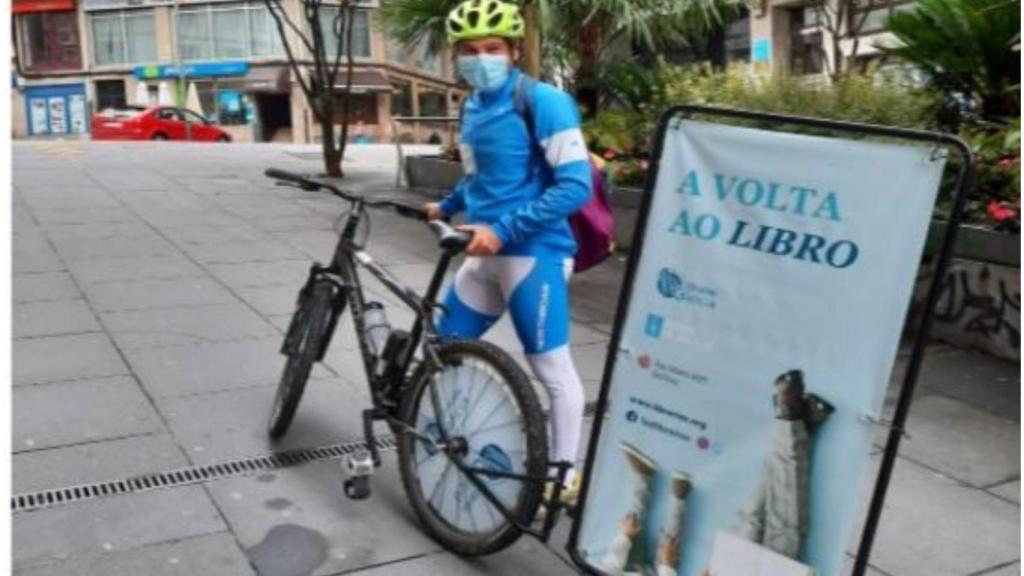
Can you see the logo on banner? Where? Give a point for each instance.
(674, 286)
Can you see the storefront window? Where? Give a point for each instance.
(737, 40)
(362, 109)
(123, 37)
(224, 102)
(49, 41)
(236, 31)
(110, 94)
(360, 31)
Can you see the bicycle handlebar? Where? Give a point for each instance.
(405, 210)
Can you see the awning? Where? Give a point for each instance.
(364, 81)
(28, 6)
(267, 79)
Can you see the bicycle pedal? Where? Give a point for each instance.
(358, 469)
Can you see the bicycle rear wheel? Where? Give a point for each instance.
(304, 339)
(491, 410)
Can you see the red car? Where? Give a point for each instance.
(155, 123)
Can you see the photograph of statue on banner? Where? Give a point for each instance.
(755, 351)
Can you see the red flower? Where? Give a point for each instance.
(1009, 161)
(999, 211)
(609, 154)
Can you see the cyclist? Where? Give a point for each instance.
(518, 193)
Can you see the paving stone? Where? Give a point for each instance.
(262, 251)
(215, 554)
(1009, 570)
(50, 415)
(57, 358)
(966, 443)
(111, 525)
(935, 526)
(214, 235)
(95, 231)
(271, 300)
(524, 557)
(848, 568)
(34, 255)
(227, 425)
(52, 318)
(1009, 490)
(210, 367)
(978, 379)
(171, 327)
(119, 247)
(152, 294)
(356, 534)
(142, 268)
(95, 462)
(44, 286)
(285, 272)
(86, 216)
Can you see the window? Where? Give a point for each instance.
(360, 31)
(433, 104)
(396, 52)
(110, 94)
(228, 32)
(362, 109)
(123, 37)
(172, 114)
(806, 49)
(401, 98)
(737, 40)
(427, 62)
(868, 22)
(49, 41)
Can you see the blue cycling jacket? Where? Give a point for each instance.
(524, 191)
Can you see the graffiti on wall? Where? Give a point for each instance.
(978, 307)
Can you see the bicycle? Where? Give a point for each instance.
(471, 435)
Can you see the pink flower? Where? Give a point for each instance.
(609, 154)
(999, 211)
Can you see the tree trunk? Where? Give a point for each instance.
(332, 156)
(532, 42)
(590, 36)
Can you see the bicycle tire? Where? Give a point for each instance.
(517, 388)
(311, 320)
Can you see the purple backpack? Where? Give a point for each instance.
(594, 224)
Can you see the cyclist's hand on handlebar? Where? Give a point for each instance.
(484, 243)
(433, 211)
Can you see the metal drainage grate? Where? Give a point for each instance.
(191, 475)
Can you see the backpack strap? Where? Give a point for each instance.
(522, 99)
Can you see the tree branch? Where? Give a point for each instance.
(292, 62)
(278, 12)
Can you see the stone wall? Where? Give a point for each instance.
(979, 307)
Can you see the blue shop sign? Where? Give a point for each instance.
(197, 70)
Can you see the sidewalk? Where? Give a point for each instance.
(151, 285)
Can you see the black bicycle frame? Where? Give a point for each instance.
(343, 272)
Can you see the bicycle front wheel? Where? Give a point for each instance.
(304, 340)
(490, 411)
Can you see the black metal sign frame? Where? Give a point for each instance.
(777, 122)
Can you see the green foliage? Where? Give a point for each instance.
(873, 98)
(965, 48)
(995, 199)
(414, 21)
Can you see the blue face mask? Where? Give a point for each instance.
(486, 72)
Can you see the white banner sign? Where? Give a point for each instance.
(766, 310)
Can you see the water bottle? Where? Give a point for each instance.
(377, 327)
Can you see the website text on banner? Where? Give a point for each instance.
(764, 322)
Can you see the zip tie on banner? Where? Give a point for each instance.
(883, 423)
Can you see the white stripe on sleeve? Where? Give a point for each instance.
(565, 147)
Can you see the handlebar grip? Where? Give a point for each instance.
(292, 177)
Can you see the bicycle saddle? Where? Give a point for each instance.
(449, 238)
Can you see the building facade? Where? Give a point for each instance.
(225, 57)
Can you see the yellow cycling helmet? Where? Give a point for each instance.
(484, 18)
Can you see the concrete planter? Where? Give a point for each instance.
(979, 305)
(431, 174)
(626, 206)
